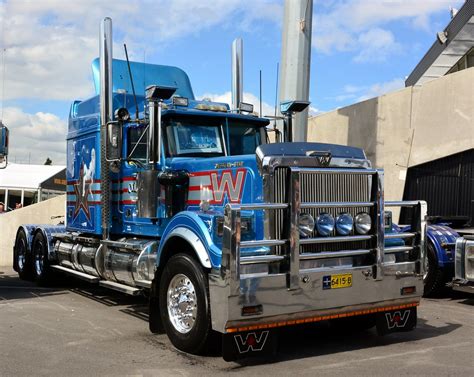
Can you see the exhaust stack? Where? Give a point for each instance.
(237, 73)
(106, 115)
(296, 59)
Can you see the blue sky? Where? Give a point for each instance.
(360, 49)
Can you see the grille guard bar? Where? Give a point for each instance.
(232, 244)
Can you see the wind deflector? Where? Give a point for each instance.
(144, 74)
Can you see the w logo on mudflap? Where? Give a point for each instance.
(252, 342)
(397, 319)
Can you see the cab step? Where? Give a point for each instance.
(132, 291)
(78, 274)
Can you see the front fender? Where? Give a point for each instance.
(443, 239)
(189, 226)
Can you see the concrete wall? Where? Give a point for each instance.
(39, 213)
(405, 128)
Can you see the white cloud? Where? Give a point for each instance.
(376, 45)
(379, 89)
(346, 25)
(34, 137)
(357, 93)
(48, 45)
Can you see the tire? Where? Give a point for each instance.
(434, 279)
(184, 275)
(42, 272)
(22, 260)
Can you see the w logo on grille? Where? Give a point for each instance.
(324, 160)
(252, 342)
(397, 319)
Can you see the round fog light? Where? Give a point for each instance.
(344, 223)
(306, 225)
(363, 223)
(325, 224)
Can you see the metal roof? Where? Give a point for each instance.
(27, 176)
(441, 57)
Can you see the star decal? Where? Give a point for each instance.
(82, 189)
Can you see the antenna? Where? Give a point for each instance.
(276, 95)
(131, 81)
(260, 93)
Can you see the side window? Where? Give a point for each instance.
(137, 143)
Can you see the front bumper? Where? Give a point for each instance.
(291, 293)
(279, 306)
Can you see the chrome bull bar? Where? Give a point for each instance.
(232, 243)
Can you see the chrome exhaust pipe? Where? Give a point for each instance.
(237, 73)
(106, 115)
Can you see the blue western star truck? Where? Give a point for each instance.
(230, 236)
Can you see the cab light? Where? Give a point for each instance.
(180, 101)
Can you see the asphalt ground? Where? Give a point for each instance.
(75, 329)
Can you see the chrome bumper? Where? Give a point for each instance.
(295, 294)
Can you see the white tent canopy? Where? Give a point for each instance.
(27, 176)
(18, 181)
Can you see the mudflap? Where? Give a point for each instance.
(249, 344)
(396, 321)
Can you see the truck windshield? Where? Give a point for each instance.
(212, 137)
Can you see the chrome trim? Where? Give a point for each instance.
(251, 207)
(305, 241)
(120, 287)
(261, 259)
(397, 249)
(230, 265)
(399, 235)
(412, 203)
(78, 274)
(379, 223)
(334, 254)
(106, 116)
(262, 243)
(336, 204)
(294, 232)
(237, 73)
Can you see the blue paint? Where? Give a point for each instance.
(144, 74)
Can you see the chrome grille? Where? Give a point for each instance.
(325, 188)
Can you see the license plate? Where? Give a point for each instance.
(337, 281)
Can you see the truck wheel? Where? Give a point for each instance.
(433, 279)
(184, 304)
(22, 261)
(41, 266)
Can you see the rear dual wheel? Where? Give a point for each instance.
(42, 272)
(22, 260)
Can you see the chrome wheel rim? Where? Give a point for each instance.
(39, 258)
(181, 301)
(426, 266)
(21, 256)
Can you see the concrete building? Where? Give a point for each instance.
(429, 120)
(27, 184)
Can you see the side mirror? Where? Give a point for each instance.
(114, 135)
(3, 146)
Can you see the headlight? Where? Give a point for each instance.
(325, 224)
(344, 223)
(306, 225)
(363, 223)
